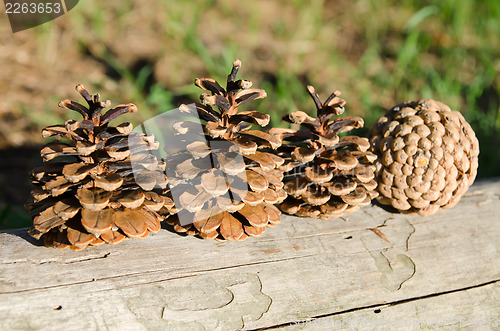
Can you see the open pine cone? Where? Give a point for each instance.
(428, 156)
(227, 187)
(99, 185)
(325, 175)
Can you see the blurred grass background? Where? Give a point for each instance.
(377, 52)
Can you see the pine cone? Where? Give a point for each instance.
(325, 175)
(102, 186)
(227, 186)
(428, 156)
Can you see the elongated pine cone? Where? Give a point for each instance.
(226, 185)
(428, 156)
(97, 185)
(325, 175)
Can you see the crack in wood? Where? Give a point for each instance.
(380, 305)
(145, 273)
(58, 260)
(105, 255)
(333, 233)
(256, 263)
(394, 265)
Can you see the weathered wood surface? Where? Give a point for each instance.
(410, 272)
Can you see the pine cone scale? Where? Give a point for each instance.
(428, 156)
(327, 176)
(97, 222)
(233, 181)
(92, 197)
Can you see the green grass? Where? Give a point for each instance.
(402, 50)
(12, 218)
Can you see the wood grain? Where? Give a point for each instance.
(372, 265)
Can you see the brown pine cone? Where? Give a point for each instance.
(99, 183)
(223, 184)
(428, 156)
(325, 175)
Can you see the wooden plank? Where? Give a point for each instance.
(473, 308)
(298, 270)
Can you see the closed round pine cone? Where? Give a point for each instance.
(428, 156)
(223, 182)
(98, 183)
(325, 175)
